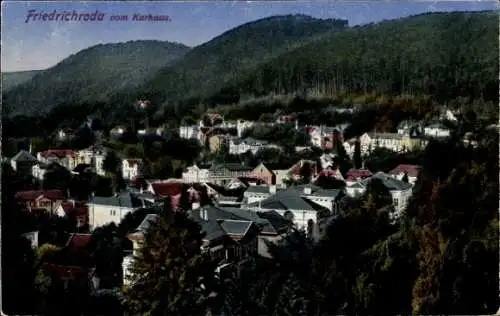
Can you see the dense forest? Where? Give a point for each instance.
(91, 75)
(211, 65)
(440, 54)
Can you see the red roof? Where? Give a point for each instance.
(78, 242)
(59, 153)
(411, 170)
(354, 174)
(167, 188)
(33, 195)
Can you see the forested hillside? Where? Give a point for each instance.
(15, 78)
(92, 74)
(208, 67)
(439, 54)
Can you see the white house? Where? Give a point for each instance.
(93, 156)
(437, 130)
(195, 174)
(131, 168)
(304, 205)
(106, 210)
(400, 190)
(238, 147)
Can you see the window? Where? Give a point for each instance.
(395, 202)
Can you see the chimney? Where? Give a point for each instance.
(307, 190)
(272, 189)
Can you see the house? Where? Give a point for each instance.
(196, 174)
(437, 130)
(304, 205)
(399, 190)
(272, 226)
(225, 240)
(93, 156)
(112, 209)
(132, 168)
(238, 147)
(23, 163)
(65, 157)
(264, 173)
(411, 171)
(48, 200)
(391, 141)
(78, 270)
(224, 173)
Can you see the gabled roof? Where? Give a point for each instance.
(78, 242)
(389, 182)
(269, 222)
(24, 156)
(235, 227)
(294, 198)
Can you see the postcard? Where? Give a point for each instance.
(249, 158)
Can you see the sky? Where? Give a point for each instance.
(42, 44)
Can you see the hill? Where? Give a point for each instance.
(440, 54)
(15, 78)
(208, 67)
(93, 74)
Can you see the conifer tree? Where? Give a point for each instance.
(170, 275)
(357, 160)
